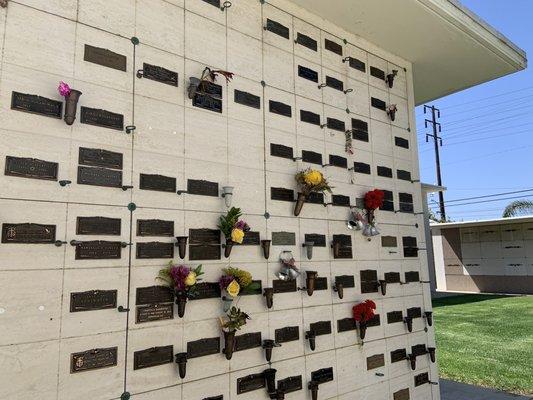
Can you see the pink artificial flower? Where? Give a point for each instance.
(64, 89)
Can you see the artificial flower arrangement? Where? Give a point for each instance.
(362, 313)
(208, 76)
(309, 181)
(236, 282)
(235, 320)
(233, 228)
(391, 111)
(289, 271)
(373, 201)
(184, 282)
(71, 101)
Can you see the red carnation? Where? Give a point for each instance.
(374, 199)
(364, 312)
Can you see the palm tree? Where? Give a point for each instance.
(518, 207)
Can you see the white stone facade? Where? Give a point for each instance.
(43, 42)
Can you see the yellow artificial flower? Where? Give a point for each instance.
(313, 177)
(191, 279)
(233, 288)
(237, 235)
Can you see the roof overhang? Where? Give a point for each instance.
(429, 188)
(450, 47)
(485, 222)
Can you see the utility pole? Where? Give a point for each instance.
(437, 140)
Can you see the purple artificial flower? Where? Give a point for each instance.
(179, 274)
(225, 280)
(64, 89)
(242, 225)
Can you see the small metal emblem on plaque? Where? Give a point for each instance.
(306, 41)
(248, 341)
(153, 357)
(102, 118)
(98, 226)
(250, 383)
(290, 384)
(307, 73)
(92, 300)
(93, 359)
(394, 317)
(104, 57)
(151, 250)
(100, 158)
(96, 176)
(357, 64)
(346, 324)
(398, 355)
(311, 157)
(282, 194)
(247, 99)
(375, 361)
(377, 73)
(336, 124)
(31, 168)
(203, 347)
(280, 286)
(279, 150)
(202, 188)
(28, 233)
(154, 312)
(283, 239)
(155, 227)
(287, 334)
(277, 28)
(309, 117)
(322, 375)
(158, 183)
(34, 104)
(334, 83)
(401, 394)
(321, 328)
(412, 276)
(98, 250)
(279, 108)
(377, 103)
(317, 239)
(160, 74)
(338, 161)
(332, 46)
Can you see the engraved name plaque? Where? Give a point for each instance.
(283, 239)
(389, 241)
(279, 150)
(401, 394)
(392, 277)
(338, 161)
(155, 227)
(309, 117)
(280, 286)
(250, 383)
(334, 83)
(93, 359)
(104, 57)
(418, 350)
(251, 239)
(315, 198)
(281, 194)
(398, 355)
(247, 99)
(207, 290)
(421, 379)
(102, 118)
(98, 250)
(204, 244)
(377, 73)
(247, 341)
(96, 176)
(403, 175)
(346, 324)
(290, 384)
(377, 103)
(203, 347)
(374, 321)
(340, 200)
(215, 3)
(385, 172)
(322, 375)
(204, 252)
(100, 158)
(28, 233)
(333, 46)
(317, 239)
(321, 328)
(31, 168)
(311, 157)
(336, 124)
(369, 281)
(412, 276)
(401, 142)
(321, 283)
(361, 168)
(375, 361)
(153, 357)
(158, 183)
(92, 300)
(98, 226)
(34, 104)
(160, 74)
(151, 250)
(279, 108)
(287, 334)
(277, 28)
(154, 312)
(307, 73)
(414, 312)
(153, 294)
(202, 188)
(394, 317)
(357, 64)
(207, 102)
(347, 281)
(204, 236)
(306, 41)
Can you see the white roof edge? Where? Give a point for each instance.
(470, 23)
(430, 188)
(497, 221)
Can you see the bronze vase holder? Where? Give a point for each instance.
(229, 344)
(383, 286)
(412, 361)
(71, 104)
(269, 296)
(339, 288)
(181, 301)
(181, 244)
(265, 245)
(313, 387)
(308, 249)
(429, 317)
(362, 330)
(391, 111)
(270, 379)
(431, 351)
(300, 200)
(311, 336)
(227, 247)
(409, 322)
(181, 360)
(336, 249)
(268, 345)
(390, 78)
(310, 279)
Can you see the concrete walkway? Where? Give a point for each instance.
(450, 390)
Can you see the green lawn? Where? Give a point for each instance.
(486, 340)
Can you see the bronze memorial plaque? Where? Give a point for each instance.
(153, 357)
(92, 300)
(98, 250)
(98, 226)
(31, 168)
(28, 233)
(93, 359)
(34, 104)
(104, 57)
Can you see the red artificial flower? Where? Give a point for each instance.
(364, 312)
(374, 199)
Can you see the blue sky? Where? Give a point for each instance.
(487, 143)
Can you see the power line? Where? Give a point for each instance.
(487, 98)
(489, 201)
(499, 112)
(508, 102)
(489, 195)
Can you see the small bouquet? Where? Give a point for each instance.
(362, 313)
(184, 282)
(391, 111)
(237, 281)
(309, 181)
(289, 271)
(208, 76)
(232, 228)
(373, 201)
(236, 319)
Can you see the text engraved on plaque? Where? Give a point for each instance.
(102, 118)
(203, 347)
(151, 250)
(34, 104)
(202, 188)
(247, 99)
(277, 28)
(346, 324)
(33, 168)
(347, 281)
(287, 334)
(155, 227)
(104, 57)
(28, 233)
(281, 194)
(333, 46)
(93, 359)
(153, 357)
(322, 375)
(306, 41)
(280, 286)
(375, 361)
(98, 226)
(321, 328)
(159, 183)
(96, 176)
(247, 341)
(100, 158)
(154, 312)
(250, 383)
(153, 294)
(98, 250)
(317, 239)
(290, 384)
(283, 238)
(93, 300)
(160, 74)
(401, 394)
